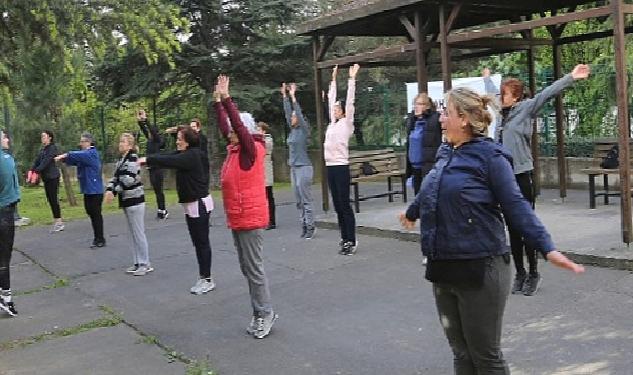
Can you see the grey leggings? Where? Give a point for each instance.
(472, 320)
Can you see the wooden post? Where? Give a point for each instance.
(445, 51)
(536, 178)
(560, 131)
(420, 55)
(316, 48)
(623, 118)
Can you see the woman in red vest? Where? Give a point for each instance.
(245, 202)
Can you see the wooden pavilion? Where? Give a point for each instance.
(471, 29)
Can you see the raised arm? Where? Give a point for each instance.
(490, 87)
(141, 118)
(351, 94)
(535, 104)
(286, 104)
(222, 118)
(295, 105)
(331, 95)
(246, 139)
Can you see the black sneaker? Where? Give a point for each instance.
(162, 215)
(519, 283)
(304, 230)
(310, 232)
(97, 243)
(271, 226)
(349, 248)
(8, 307)
(532, 284)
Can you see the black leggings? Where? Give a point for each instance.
(92, 204)
(271, 205)
(156, 179)
(199, 232)
(338, 179)
(52, 187)
(7, 235)
(525, 182)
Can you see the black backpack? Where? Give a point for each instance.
(611, 161)
(368, 169)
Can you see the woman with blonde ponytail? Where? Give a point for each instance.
(463, 233)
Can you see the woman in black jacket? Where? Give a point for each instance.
(424, 136)
(45, 167)
(192, 184)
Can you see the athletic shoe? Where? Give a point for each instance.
(424, 261)
(532, 284)
(271, 226)
(203, 286)
(132, 269)
(349, 248)
(519, 283)
(264, 323)
(97, 243)
(143, 270)
(304, 230)
(310, 232)
(8, 307)
(57, 227)
(162, 215)
(252, 326)
(22, 221)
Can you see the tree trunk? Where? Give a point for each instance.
(213, 135)
(70, 195)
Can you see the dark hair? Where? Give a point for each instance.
(340, 103)
(190, 136)
(50, 135)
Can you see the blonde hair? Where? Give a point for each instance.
(131, 140)
(474, 106)
(425, 98)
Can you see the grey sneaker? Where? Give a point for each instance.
(57, 227)
(143, 270)
(519, 283)
(263, 324)
(132, 269)
(252, 326)
(203, 286)
(532, 284)
(310, 232)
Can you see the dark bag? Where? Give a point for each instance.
(368, 169)
(611, 161)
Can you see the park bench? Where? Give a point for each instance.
(383, 164)
(601, 148)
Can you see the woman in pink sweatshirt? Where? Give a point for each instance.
(336, 153)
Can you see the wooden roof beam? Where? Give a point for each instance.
(528, 25)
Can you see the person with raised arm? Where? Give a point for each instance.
(155, 143)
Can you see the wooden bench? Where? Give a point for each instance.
(386, 165)
(601, 148)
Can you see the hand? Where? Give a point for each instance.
(216, 94)
(485, 73)
(61, 157)
(172, 129)
(108, 197)
(141, 115)
(293, 89)
(334, 72)
(406, 223)
(283, 89)
(142, 160)
(223, 85)
(559, 260)
(353, 70)
(581, 71)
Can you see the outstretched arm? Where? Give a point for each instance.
(331, 95)
(351, 94)
(286, 103)
(246, 139)
(580, 71)
(296, 106)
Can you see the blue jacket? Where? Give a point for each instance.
(462, 199)
(9, 185)
(88, 170)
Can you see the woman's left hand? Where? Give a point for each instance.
(406, 223)
(560, 260)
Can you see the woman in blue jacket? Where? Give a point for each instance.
(462, 204)
(90, 183)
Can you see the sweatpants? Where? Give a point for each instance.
(92, 205)
(271, 205)
(250, 246)
(199, 232)
(135, 216)
(338, 177)
(156, 178)
(7, 236)
(472, 318)
(301, 178)
(517, 244)
(51, 187)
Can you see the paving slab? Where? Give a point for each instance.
(102, 351)
(32, 276)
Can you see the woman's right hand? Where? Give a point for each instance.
(283, 89)
(581, 71)
(334, 72)
(560, 260)
(406, 223)
(292, 89)
(108, 197)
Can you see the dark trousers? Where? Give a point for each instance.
(92, 204)
(199, 233)
(472, 318)
(338, 180)
(51, 187)
(417, 180)
(7, 235)
(271, 205)
(518, 245)
(156, 178)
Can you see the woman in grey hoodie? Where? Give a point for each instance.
(515, 133)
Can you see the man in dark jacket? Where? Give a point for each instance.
(155, 143)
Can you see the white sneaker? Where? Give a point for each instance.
(57, 227)
(143, 270)
(263, 324)
(22, 221)
(203, 286)
(132, 269)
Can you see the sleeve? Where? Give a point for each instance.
(112, 184)
(247, 142)
(490, 87)
(349, 103)
(177, 160)
(45, 159)
(222, 119)
(515, 207)
(538, 101)
(143, 126)
(331, 99)
(413, 211)
(287, 111)
(77, 157)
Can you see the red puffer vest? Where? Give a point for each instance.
(243, 192)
